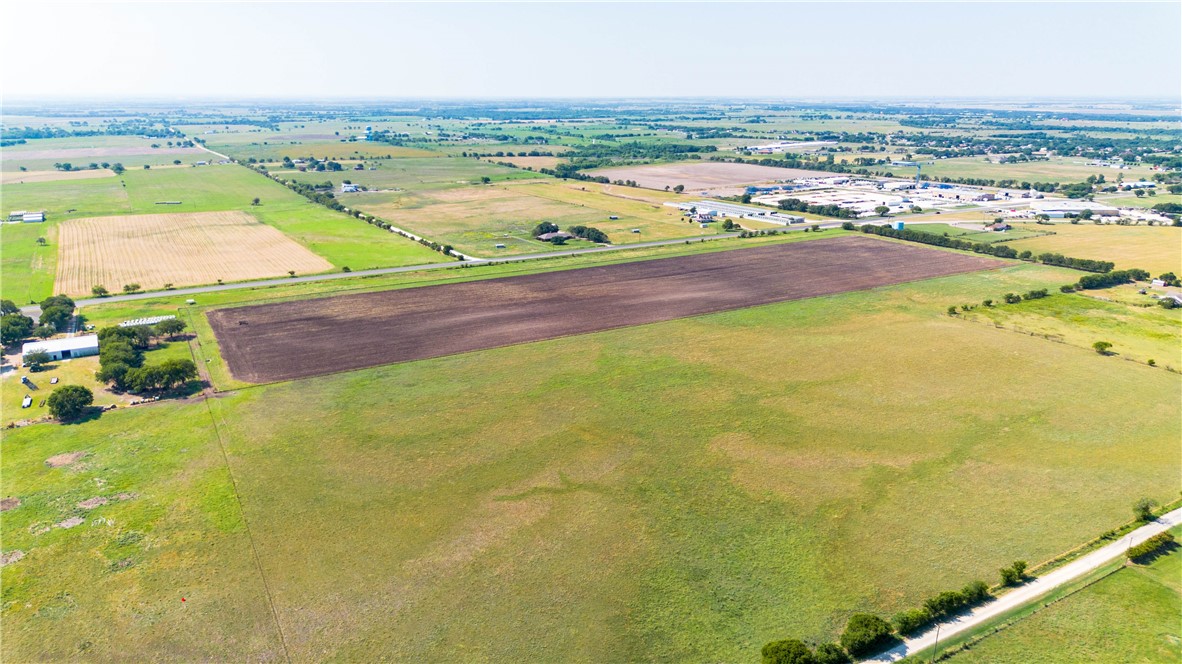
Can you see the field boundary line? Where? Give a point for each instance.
(249, 533)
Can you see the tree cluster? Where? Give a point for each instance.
(121, 359)
(589, 233)
(831, 210)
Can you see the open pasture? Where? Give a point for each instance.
(417, 174)
(475, 219)
(1056, 169)
(289, 340)
(696, 175)
(181, 249)
(681, 491)
(1154, 248)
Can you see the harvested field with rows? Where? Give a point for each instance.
(153, 250)
(288, 340)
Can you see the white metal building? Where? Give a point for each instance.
(64, 349)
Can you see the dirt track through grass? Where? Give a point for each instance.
(289, 340)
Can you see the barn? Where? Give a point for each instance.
(64, 349)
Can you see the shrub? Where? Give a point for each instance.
(988, 303)
(1143, 509)
(1012, 298)
(845, 226)
(1069, 288)
(787, 651)
(831, 653)
(864, 634)
(1035, 294)
(912, 620)
(1150, 546)
(1014, 574)
(1167, 303)
(952, 310)
(1101, 347)
(69, 402)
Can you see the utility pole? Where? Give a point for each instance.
(936, 643)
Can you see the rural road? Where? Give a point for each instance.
(34, 311)
(1033, 590)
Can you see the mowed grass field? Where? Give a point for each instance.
(29, 268)
(1130, 616)
(683, 491)
(476, 218)
(1154, 248)
(415, 174)
(81, 151)
(185, 249)
(1056, 169)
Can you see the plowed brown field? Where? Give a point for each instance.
(183, 249)
(286, 340)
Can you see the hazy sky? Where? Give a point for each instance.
(321, 50)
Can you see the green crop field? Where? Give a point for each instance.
(1128, 199)
(680, 491)
(1056, 169)
(1129, 616)
(1154, 248)
(28, 267)
(414, 174)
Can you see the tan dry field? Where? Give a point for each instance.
(16, 177)
(696, 175)
(74, 153)
(182, 249)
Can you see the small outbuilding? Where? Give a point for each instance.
(64, 349)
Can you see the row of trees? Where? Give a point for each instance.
(831, 210)
(999, 250)
(1107, 279)
(947, 603)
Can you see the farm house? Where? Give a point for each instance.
(64, 349)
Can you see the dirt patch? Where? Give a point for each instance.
(67, 459)
(18, 177)
(91, 503)
(127, 496)
(181, 249)
(70, 522)
(11, 557)
(9, 504)
(696, 176)
(287, 340)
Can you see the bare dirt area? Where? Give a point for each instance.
(67, 459)
(287, 340)
(75, 153)
(154, 250)
(21, 177)
(697, 175)
(9, 504)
